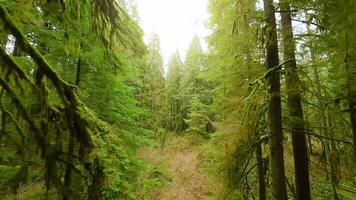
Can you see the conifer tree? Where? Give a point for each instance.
(153, 94)
(301, 162)
(279, 190)
(173, 87)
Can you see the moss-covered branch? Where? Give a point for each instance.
(22, 109)
(14, 66)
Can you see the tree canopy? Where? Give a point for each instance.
(262, 108)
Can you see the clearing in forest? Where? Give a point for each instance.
(183, 174)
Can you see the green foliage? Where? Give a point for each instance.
(81, 93)
(198, 118)
(152, 180)
(188, 92)
(103, 67)
(173, 83)
(152, 94)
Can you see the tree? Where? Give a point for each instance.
(54, 112)
(173, 86)
(153, 94)
(279, 190)
(195, 91)
(190, 72)
(301, 161)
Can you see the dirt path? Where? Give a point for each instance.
(185, 181)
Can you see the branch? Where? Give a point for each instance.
(268, 72)
(250, 152)
(291, 187)
(320, 167)
(66, 92)
(62, 87)
(283, 11)
(75, 169)
(9, 61)
(309, 22)
(19, 129)
(319, 136)
(23, 111)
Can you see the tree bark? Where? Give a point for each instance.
(351, 90)
(71, 144)
(279, 190)
(97, 182)
(261, 173)
(300, 153)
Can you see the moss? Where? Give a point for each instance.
(7, 172)
(103, 152)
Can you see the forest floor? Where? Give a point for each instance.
(183, 169)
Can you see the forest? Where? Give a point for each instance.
(89, 109)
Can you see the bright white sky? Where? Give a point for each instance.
(175, 22)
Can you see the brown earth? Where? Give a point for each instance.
(185, 177)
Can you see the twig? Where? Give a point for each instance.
(75, 169)
(322, 168)
(319, 136)
(309, 22)
(268, 72)
(180, 145)
(291, 187)
(22, 109)
(282, 11)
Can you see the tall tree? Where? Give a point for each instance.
(173, 86)
(301, 161)
(193, 89)
(56, 111)
(279, 190)
(153, 94)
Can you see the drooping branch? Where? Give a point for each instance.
(14, 66)
(62, 87)
(74, 108)
(17, 125)
(22, 109)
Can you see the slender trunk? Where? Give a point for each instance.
(279, 190)
(324, 130)
(310, 145)
(97, 182)
(333, 162)
(352, 106)
(295, 108)
(68, 171)
(351, 90)
(77, 77)
(261, 172)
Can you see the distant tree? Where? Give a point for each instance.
(173, 87)
(153, 92)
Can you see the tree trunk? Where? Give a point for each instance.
(97, 182)
(68, 171)
(261, 172)
(300, 153)
(352, 106)
(279, 190)
(351, 90)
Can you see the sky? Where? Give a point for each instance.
(175, 21)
